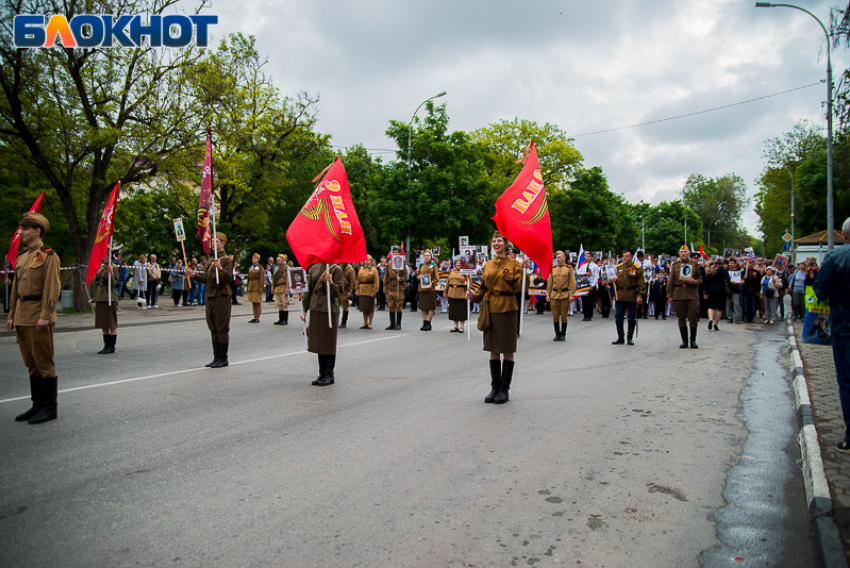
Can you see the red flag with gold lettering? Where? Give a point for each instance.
(104, 230)
(522, 214)
(327, 229)
(205, 200)
(12, 255)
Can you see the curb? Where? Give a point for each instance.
(828, 546)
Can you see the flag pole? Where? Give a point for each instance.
(212, 221)
(303, 323)
(468, 307)
(522, 296)
(109, 272)
(328, 293)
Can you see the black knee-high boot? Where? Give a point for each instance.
(507, 376)
(621, 334)
(215, 355)
(344, 323)
(49, 392)
(328, 376)
(563, 331)
(279, 317)
(557, 331)
(694, 338)
(392, 322)
(398, 321)
(222, 357)
(631, 333)
(285, 317)
(683, 331)
(495, 379)
(321, 370)
(105, 345)
(35, 396)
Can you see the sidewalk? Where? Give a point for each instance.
(131, 316)
(819, 371)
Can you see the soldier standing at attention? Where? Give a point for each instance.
(349, 283)
(631, 287)
(560, 290)
(683, 289)
(256, 278)
(32, 314)
(321, 338)
(106, 314)
(218, 301)
(280, 285)
(395, 284)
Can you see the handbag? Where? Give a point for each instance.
(484, 315)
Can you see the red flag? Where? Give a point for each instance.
(702, 253)
(205, 201)
(104, 230)
(327, 229)
(522, 214)
(12, 255)
(404, 254)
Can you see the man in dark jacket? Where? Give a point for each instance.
(833, 284)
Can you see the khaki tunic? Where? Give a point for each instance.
(225, 277)
(501, 280)
(321, 338)
(630, 283)
(349, 284)
(367, 282)
(256, 275)
(36, 274)
(456, 285)
(561, 288)
(105, 314)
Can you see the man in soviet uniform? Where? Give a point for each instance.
(560, 290)
(349, 280)
(218, 301)
(32, 314)
(683, 290)
(631, 287)
(395, 284)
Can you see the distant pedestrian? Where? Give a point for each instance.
(833, 284)
(140, 281)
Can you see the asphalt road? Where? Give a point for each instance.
(605, 455)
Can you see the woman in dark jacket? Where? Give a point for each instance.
(716, 286)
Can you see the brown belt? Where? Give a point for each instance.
(503, 293)
(36, 298)
(458, 286)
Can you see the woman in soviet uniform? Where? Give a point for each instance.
(218, 275)
(106, 313)
(500, 281)
(427, 276)
(368, 283)
(256, 277)
(321, 337)
(560, 290)
(456, 292)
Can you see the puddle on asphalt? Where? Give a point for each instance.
(765, 521)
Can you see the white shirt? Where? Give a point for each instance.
(593, 269)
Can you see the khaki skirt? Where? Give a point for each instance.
(106, 316)
(321, 339)
(500, 337)
(457, 309)
(366, 304)
(427, 300)
(254, 295)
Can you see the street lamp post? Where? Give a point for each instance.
(830, 211)
(409, 147)
(793, 219)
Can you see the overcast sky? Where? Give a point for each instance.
(583, 66)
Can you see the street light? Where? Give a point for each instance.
(409, 135)
(830, 212)
(793, 244)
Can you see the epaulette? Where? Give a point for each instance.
(619, 265)
(47, 249)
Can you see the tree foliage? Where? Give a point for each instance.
(719, 202)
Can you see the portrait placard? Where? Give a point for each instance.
(463, 242)
(397, 262)
(436, 252)
(584, 282)
(736, 276)
(687, 271)
(610, 272)
(297, 280)
(441, 284)
(780, 263)
(468, 261)
(425, 281)
(178, 230)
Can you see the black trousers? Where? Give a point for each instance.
(620, 311)
(588, 303)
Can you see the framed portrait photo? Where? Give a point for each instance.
(397, 262)
(297, 280)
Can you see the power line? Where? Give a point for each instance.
(694, 113)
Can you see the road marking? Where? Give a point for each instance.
(193, 369)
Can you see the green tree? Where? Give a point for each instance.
(507, 141)
(450, 190)
(719, 202)
(665, 226)
(86, 118)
